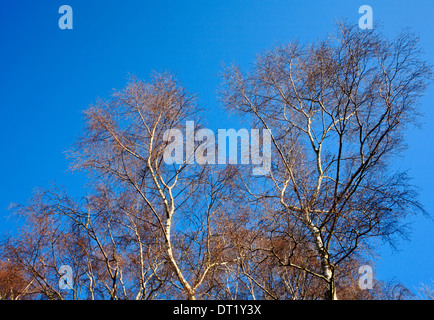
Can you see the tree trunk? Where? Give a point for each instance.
(188, 289)
(326, 268)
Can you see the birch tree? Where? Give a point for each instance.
(337, 110)
(124, 143)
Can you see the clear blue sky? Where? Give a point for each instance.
(48, 76)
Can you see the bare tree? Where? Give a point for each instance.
(336, 110)
(147, 229)
(105, 238)
(124, 143)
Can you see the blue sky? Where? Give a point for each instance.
(48, 76)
